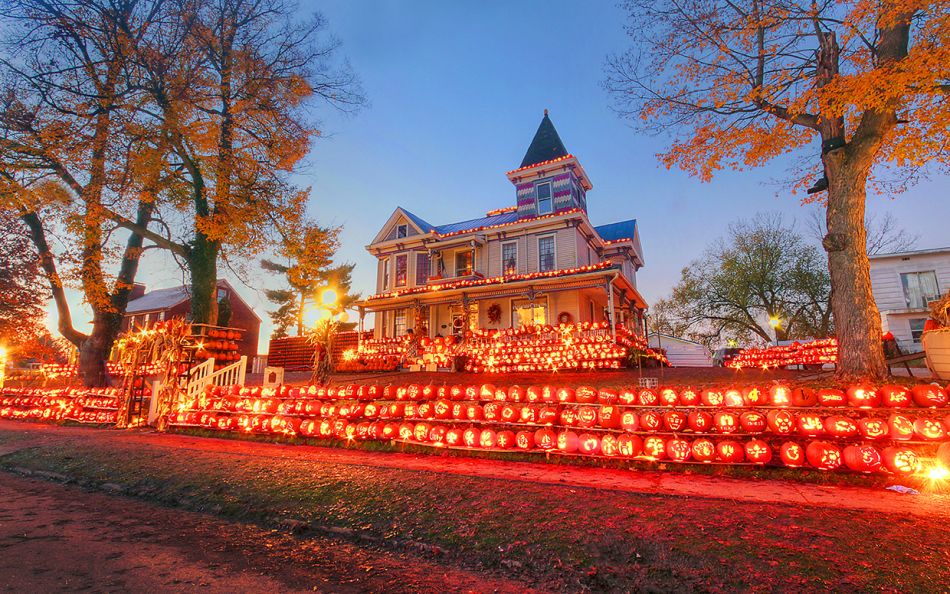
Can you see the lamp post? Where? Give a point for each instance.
(775, 322)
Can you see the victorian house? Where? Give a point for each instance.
(540, 261)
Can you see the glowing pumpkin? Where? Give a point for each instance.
(629, 445)
(609, 445)
(549, 395)
(862, 458)
(453, 437)
(871, 428)
(651, 421)
(647, 397)
(689, 397)
(654, 447)
(567, 441)
(437, 434)
(421, 431)
(474, 412)
(524, 440)
(780, 395)
(547, 415)
(585, 395)
(758, 452)
(588, 443)
(792, 454)
(674, 420)
(929, 395)
(810, 425)
(565, 395)
(491, 411)
(528, 414)
(516, 394)
(545, 439)
(669, 397)
(569, 416)
(733, 398)
(726, 422)
(900, 427)
(703, 450)
(840, 426)
(863, 397)
(533, 394)
(510, 413)
(900, 460)
(627, 397)
(472, 392)
(609, 416)
(470, 437)
(699, 421)
(586, 416)
(505, 440)
(711, 398)
(804, 397)
(630, 421)
(781, 422)
(730, 452)
(929, 429)
(755, 397)
(487, 392)
(831, 397)
(607, 396)
(823, 455)
(678, 450)
(752, 421)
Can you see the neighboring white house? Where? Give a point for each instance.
(903, 284)
(682, 352)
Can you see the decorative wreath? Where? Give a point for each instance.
(494, 313)
(565, 318)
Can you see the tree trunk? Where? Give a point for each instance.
(203, 262)
(94, 350)
(857, 319)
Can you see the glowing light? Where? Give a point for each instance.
(938, 473)
(328, 297)
(775, 322)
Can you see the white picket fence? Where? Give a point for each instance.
(203, 375)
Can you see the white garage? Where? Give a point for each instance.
(682, 352)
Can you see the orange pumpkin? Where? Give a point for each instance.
(730, 452)
(608, 445)
(651, 421)
(862, 458)
(929, 395)
(703, 450)
(831, 397)
(712, 398)
(545, 439)
(586, 416)
(823, 455)
(674, 420)
(863, 397)
(752, 421)
(758, 452)
(669, 397)
(506, 440)
(607, 396)
(630, 421)
(726, 422)
(678, 450)
(629, 446)
(699, 421)
(900, 460)
(780, 395)
(647, 397)
(733, 398)
(487, 439)
(929, 429)
(804, 397)
(516, 394)
(840, 426)
(871, 428)
(781, 422)
(567, 441)
(487, 392)
(627, 397)
(900, 427)
(524, 440)
(565, 395)
(654, 447)
(792, 454)
(689, 397)
(533, 394)
(810, 425)
(585, 395)
(893, 396)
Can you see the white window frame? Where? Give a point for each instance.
(404, 314)
(455, 261)
(553, 237)
(427, 268)
(537, 197)
(387, 273)
(917, 274)
(396, 282)
(910, 326)
(405, 231)
(543, 301)
(504, 270)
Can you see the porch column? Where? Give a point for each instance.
(611, 313)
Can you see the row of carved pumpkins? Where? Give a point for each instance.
(776, 421)
(821, 455)
(888, 396)
(222, 333)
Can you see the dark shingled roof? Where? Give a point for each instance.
(619, 230)
(546, 144)
(418, 221)
(498, 219)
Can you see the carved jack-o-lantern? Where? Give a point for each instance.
(609, 416)
(413, 392)
(437, 434)
(528, 414)
(871, 428)
(547, 415)
(501, 394)
(862, 458)
(647, 397)
(487, 392)
(548, 394)
(730, 452)
(810, 425)
(627, 396)
(491, 411)
(703, 450)
(804, 397)
(510, 413)
(533, 394)
(900, 460)
(712, 398)
(651, 421)
(609, 445)
(752, 421)
(470, 437)
(689, 397)
(654, 447)
(421, 431)
(567, 441)
(545, 439)
(726, 422)
(586, 416)
(781, 422)
(607, 396)
(457, 392)
(459, 410)
(780, 395)
(453, 437)
(831, 397)
(893, 396)
(678, 450)
(669, 397)
(629, 446)
(588, 443)
(699, 421)
(929, 429)
(840, 426)
(569, 416)
(516, 394)
(900, 427)
(630, 421)
(823, 455)
(863, 397)
(406, 431)
(487, 439)
(585, 395)
(474, 412)
(758, 452)
(733, 398)
(929, 395)
(524, 440)
(505, 439)
(674, 420)
(472, 392)
(565, 394)
(755, 397)
(792, 454)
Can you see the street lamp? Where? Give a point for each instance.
(775, 322)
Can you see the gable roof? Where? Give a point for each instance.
(618, 230)
(159, 299)
(417, 221)
(497, 219)
(545, 145)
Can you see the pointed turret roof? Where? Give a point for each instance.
(546, 144)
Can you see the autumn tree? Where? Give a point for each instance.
(738, 83)
(762, 272)
(305, 261)
(233, 82)
(23, 292)
(71, 156)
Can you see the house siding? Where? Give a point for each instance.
(889, 293)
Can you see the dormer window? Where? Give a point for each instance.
(402, 231)
(545, 202)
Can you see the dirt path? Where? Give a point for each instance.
(59, 538)
(654, 483)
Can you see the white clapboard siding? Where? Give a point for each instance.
(886, 276)
(682, 353)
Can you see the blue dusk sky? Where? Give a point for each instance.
(456, 91)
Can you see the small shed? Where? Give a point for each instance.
(682, 352)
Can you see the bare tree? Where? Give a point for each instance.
(885, 235)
